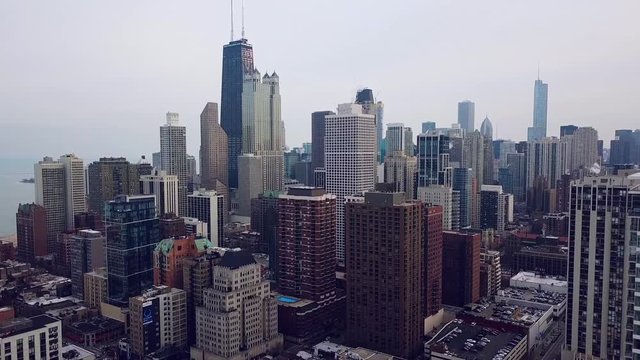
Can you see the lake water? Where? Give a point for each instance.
(13, 192)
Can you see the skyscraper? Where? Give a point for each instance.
(539, 128)
(604, 228)
(237, 61)
(214, 152)
(262, 126)
(433, 160)
(75, 185)
(365, 98)
(386, 271)
(442, 196)
(264, 219)
(473, 155)
(517, 166)
(394, 140)
(132, 235)
(460, 268)
(350, 159)
(467, 115)
(432, 260)
(567, 130)
(306, 244)
(317, 138)
(463, 183)
(173, 154)
(109, 177)
(51, 193)
(208, 206)
(401, 170)
(87, 255)
(31, 232)
(496, 208)
(168, 257)
(486, 129)
(165, 189)
(251, 181)
(427, 126)
(547, 158)
(583, 148)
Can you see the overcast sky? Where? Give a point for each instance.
(97, 77)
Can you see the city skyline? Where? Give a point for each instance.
(152, 73)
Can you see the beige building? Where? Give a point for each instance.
(239, 318)
(95, 288)
(158, 318)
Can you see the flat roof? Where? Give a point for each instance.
(81, 353)
(455, 336)
(534, 295)
(509, 313)
(536, 279)
(21, 325)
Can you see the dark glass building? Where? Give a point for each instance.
(132, 234)
(566, 130)
(462, 182)
(237, 60)
(433, 159)
(317, 138)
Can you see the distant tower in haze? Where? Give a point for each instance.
(467, 115)
(365, 98)
(173, 156)
(237, 61)
(539, 128)
(486, 129)
(317, 139)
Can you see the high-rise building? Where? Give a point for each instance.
(439, 195)
(428, 126)
(95, 288)
(158, 318)
(433, 160)
(365, 98)
(132, 235)
(197, 275)
(264, 220)
(214, 154)
(306, 243)
(473, 153)
(488, 161)
(75, 185)
(31, 232)
(486, 129)
(496, 208)
(463, 183)
(87, 255)
(192, 173)
(172, 226)
(169, 255)
(317, 138)
(547, 158)
(433, 261)
(262, 127)
(156, 160)
(604, 224)
(165, 189)
(460, 268)
(39, 337)
(109, 177)
(395, 138)
(350, 159)
(239, 317)
(173, 153)
(237, 61)
(386, 271)
(208, 206)
(583, 149)
(539, 128)
(517, 165)
(401, 170)
(566, 130)
(251, 183)
(409, 145)
(501, 149)
(490, 273)
(625, 148)
(467, 115)
(51, 193)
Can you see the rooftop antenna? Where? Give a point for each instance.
(231, 20)
(243, 19)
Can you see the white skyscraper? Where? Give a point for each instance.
(60, 189)
(208, 207)
(173, 156)
(165, 189)
(350, 159)
(262, 127)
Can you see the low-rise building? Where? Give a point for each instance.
(25, 338)
(94, 331)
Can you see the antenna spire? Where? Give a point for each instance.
(231, 20)
(243, 19)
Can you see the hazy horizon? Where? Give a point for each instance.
(97, 78)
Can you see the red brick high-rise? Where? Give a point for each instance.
(385, 267)
(307, 243)
(433, 259)
(460, 268)
(31, 232)
(169, 255)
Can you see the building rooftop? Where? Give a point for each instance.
(21, 325)
(75, 352)
(534, 279)
(509, 313)
(336, 351)
(534, 295)
(96, 324)
(237, 259)
(455, 338)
